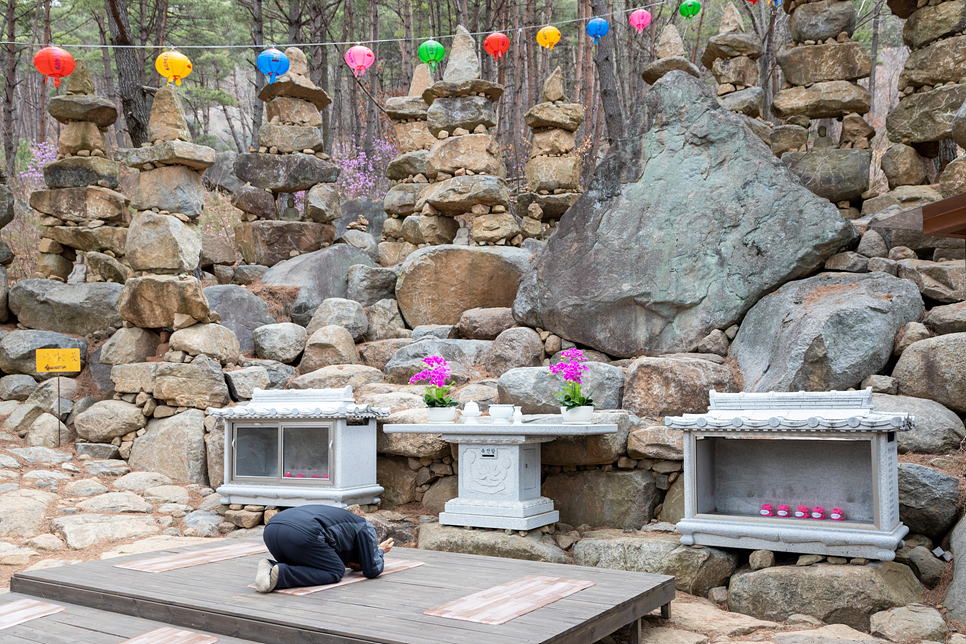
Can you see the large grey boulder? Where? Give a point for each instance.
(317, 275)
(175, 447)
(18, 350)
(619, 276)
(695, 570)
(937, 430)
(534, 388)
(928, 499)
(283, 342)
(834, 594)
(588, 450)
(222, 173)
(465, 359)
(367, 285)
(674, 385)
(75, 309)
(825, 332)
(107, 420)
(348, 314)
(955, 599)
(240, 310)
(622, 499)
(934, 368)
(490, 543)
(516, 347)
(959, 126)
(836, 174)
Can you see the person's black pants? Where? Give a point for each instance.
(303, 560)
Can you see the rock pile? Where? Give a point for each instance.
(462, 173)
(289, 160)
(732, 57)
(670, 56)
(84, 215)
(163, 245)
(6, 255)
(553, 171)
(822, 67)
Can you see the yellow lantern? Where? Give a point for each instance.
(173, 65)
(548, 37)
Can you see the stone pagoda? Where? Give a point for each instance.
(732, 57)
(822, 67)
(553, 171)
(163, 245)
(932, 89)
(464, 167)
(85, 218)
(288, 160)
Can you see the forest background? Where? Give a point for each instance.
(220, 94)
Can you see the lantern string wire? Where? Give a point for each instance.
(519, 31)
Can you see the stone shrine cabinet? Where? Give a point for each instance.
(300, 447)
(499, 471)
(826, 451)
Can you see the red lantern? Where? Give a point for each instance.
(54, 62)
(496, 44)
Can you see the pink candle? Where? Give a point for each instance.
(838, 514)
(818, 512)
(766, 510)
(783, 511)
(801, 512)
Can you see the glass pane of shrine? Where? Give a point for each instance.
(305, 452)
(256, 451)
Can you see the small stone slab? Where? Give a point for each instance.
(553, 206)
(287, 173)
(295, 86)
(406, 107)
(77, 172)
(95, 109)
(100, 451)
(662, 66)
(192, 155)
(567, 116)
(107, 468)
(703, 617)
(443, 89)
(502, 603)
(40, 455)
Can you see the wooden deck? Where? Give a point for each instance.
(82, 625)
(216, 598)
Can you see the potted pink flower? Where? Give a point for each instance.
(575, 407)
(441, 405)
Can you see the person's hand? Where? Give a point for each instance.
(387, 545)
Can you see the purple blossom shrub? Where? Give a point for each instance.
(437, 393)
(31, 176)
(364, 175)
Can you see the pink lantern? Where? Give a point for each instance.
(359, 59)
(640, 19)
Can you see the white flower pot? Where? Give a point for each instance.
(578, 415)
(441, 414)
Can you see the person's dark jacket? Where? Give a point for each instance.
(352, 537)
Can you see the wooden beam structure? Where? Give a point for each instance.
(944, 218)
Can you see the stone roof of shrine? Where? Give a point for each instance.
(301, 403)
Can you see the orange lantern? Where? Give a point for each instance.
(54, 62)
(173, 65)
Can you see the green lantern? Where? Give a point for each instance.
(690, 8)
(431, 53)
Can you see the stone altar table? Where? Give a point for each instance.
(826, 449)
(499, 471)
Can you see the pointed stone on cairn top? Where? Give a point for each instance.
(422, 80)
(670, 43)
(553, 87)
(80, 81)
(731, 21)
(462, 64)
(297, 62)
(168, 122)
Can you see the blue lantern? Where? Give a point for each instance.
(597, 28)
(272, 63)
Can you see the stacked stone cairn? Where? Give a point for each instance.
(289, 160)
(163, 245)
(6, 255)
(732, 58)
(553, 171)
(464, 167)
(413, 140)
(671, 56)
(932, 89)
(821, 67)
(84, 216)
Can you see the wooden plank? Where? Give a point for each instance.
(352, 576)
(25, 610)
(168, 635)
(194, 558)
(502, 603)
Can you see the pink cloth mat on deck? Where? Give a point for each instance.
(353, 576)
(168, 635)
(25, 610)
(194, 557)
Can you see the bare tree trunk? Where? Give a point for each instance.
(109, 79)
(42, 96)
(609, 98)
(254, 8)
(10, 86)
(130, 73)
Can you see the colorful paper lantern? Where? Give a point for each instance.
(640, 19)
(272, 63)
(173, 65)
(431, 53)
(496, 44)
(548, 37)
(597, 28)
(690, 8)
(54, 62)
(359, 59)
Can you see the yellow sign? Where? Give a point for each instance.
(58, 360)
